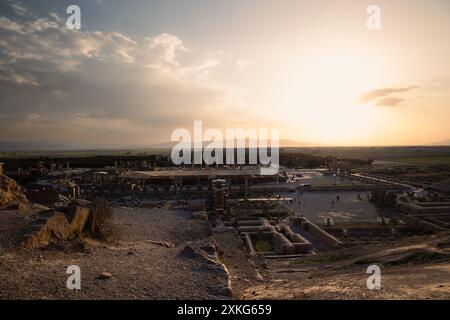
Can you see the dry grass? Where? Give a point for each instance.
(100, 226)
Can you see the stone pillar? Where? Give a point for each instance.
(228, 211)
(219, 187)
(178, 184)
(1, 174)
(246, 187)
(74, 191)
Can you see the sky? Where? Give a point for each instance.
(137, 70)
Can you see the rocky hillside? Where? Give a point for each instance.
(416, 268)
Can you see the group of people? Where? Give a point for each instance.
(333, 202)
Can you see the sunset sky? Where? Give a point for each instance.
(139, 69)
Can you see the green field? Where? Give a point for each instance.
(436, 161)
(404, 155)
(401, 155)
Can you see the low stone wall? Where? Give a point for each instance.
(438, 222)
(253, 226)
(324, 237)
(248, 243)
(291, 235)
(256, 229)
(282, 245)
(424, 208)
(252, 223)
(285, 242)
(430, 226)
(417, 221)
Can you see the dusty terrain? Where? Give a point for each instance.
(149, 261)
(416, 268)
(167, 254)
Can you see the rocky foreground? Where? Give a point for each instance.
(167, 254)
(172, 253)
(159, 254)
(416, 268)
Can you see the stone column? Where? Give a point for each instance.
(1, 174)
(246, 187)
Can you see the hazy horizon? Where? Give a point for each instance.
(45, 146)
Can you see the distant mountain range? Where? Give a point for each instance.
(8, 146)
(283, 144)
(441, 143)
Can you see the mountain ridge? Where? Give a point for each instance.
(11, 146)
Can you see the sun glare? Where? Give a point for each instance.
(320, 93)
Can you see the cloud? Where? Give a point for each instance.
(380, 93)
(47, 41)
(76, 85)
(389, 102)
(18, 8)
(244, 64)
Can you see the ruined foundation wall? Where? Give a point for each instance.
(424, 208)
(417, 222)
(327, 239)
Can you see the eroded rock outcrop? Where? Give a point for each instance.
(49, 225)
(67, 224)
(12, 194)
(77, 217)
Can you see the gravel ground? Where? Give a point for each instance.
(416, 268)
(166, 254)
(146, 263)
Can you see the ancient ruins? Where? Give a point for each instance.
(250, 228)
